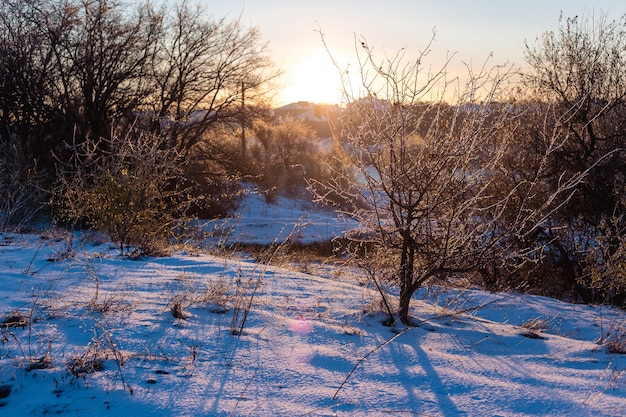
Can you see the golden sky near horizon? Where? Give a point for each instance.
(471, 30)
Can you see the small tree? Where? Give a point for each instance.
(419, 170)
(422, 172)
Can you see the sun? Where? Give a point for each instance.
(314, 79)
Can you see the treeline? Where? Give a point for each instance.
(132, 119)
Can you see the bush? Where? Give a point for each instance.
(284, 155)
(606, 262)
(130, 191)
(21, 192)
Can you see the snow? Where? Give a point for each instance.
(312, 343)
(261, 223)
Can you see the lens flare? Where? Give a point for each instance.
(300, 325)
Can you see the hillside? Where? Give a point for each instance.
(87, 333)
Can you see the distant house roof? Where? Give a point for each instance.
(318, 116)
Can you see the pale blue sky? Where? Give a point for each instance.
(471, 29)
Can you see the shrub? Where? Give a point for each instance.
(284, 155)
(616, 346)
(130, 191)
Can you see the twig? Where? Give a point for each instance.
(232, 413)
(119, 359)
(386, 342)
(360, 361)
(30, 264)
(30, 327)
(591, 397)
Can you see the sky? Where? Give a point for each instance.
(471, 30)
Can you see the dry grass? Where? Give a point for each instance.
(616, 346)
(536, 324)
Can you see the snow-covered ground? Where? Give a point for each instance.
(259, 223)
(99, 338)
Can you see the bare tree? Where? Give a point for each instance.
(581, 67)
(71, 69)
(26, 92)
(25, 113)
(101, 50)
(203, 70)
(422, 171)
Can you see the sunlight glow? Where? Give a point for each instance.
(315, 80)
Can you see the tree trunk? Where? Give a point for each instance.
(403, 309)
(407, 287)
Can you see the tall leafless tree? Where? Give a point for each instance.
(201, 72)
(100, 50)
